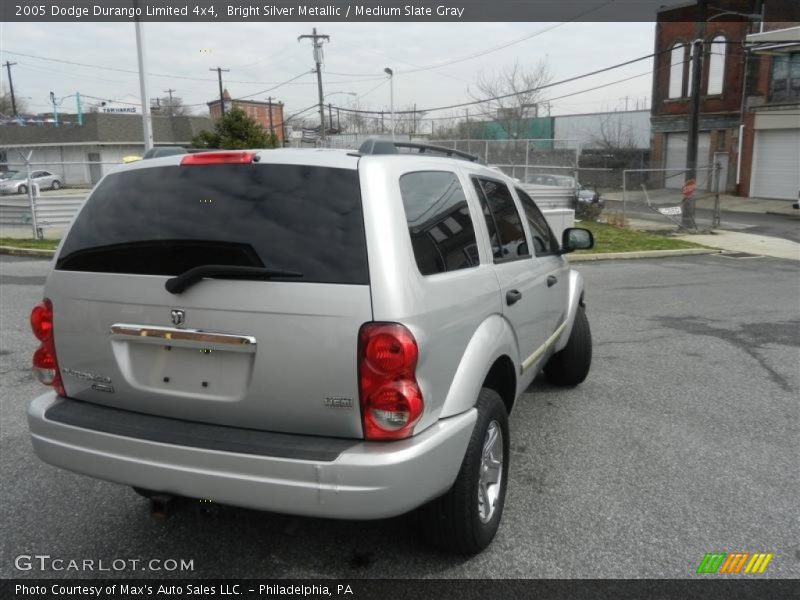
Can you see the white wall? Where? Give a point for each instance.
(588, 129)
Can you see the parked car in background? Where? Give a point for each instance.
(583, 195)
(7, 175)
(18, 183)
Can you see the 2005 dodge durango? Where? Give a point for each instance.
(313, 332)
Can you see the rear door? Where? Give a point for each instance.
(545, 250)
(277, 354)
(522, 279)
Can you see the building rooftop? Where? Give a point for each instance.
(99, 128)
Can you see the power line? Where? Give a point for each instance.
(134, 72)
(201, 103)
(501, 97)
(287, 82)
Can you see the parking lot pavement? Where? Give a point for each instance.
(683, 440)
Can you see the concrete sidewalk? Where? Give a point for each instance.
(727, 202)
(732, 241)
(737, 241)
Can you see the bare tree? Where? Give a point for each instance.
(5, 105)
(172, 107)
(522, 86)
(614, 133)
(407, 122)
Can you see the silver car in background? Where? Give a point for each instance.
(18, 183)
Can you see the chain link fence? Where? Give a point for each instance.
(666, 195)
(41, 206)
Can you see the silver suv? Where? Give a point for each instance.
(313, 332)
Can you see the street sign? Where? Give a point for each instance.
(670, 210)
(688, 188)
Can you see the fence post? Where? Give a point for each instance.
(31, 201)
(624, 194)
(527, 158)
(716, 218)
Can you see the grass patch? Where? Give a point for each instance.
(608, 238)
(35, 244)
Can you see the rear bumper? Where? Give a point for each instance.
(368, 480)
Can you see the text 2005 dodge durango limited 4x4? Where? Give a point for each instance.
(313, 332)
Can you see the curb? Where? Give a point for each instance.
(641, 254)
(32, 252)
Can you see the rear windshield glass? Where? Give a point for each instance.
(166, 220)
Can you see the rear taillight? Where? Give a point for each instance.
(219, 158)
(45, 364)
(391, 401)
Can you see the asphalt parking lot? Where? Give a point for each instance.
(684, 440)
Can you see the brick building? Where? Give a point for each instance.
(745, 73)
(268, 114)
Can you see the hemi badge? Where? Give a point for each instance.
(336, 402)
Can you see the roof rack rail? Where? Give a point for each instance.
(383, 146)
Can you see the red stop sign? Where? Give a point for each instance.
(688, 188)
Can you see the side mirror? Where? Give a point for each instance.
(576, 238)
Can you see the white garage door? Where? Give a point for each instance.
(676, 158)
(776, 164)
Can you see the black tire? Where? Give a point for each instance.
(571, 366)
(453, 521)
(56, 185)
(23, 189)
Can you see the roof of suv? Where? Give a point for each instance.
(321, 157)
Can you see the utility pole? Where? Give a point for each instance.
(330, 115)
(698, 49)
(8, 66)
(169, 91)
(219, 71)
(318, 39)
(271, 126)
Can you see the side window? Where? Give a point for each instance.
(36, 174)
(502, 220)
(544, 241)
(439, 222)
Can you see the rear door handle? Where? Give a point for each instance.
(513, 296)
(551, 280)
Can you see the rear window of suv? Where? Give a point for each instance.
(167, 220)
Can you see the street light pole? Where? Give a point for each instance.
(141, 55)
(55, 109)
(390, 73)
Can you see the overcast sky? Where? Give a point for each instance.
(261, 55)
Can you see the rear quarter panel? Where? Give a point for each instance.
(443, 311)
